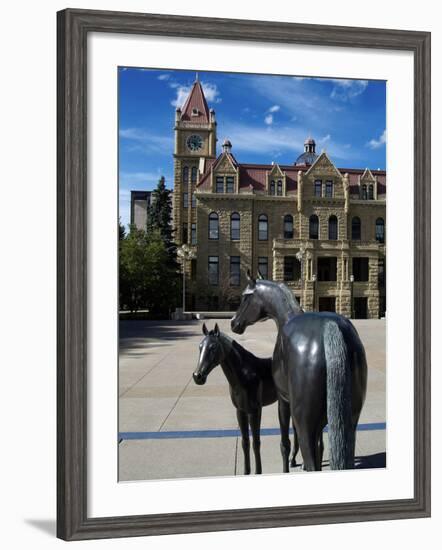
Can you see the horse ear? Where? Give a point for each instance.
(205, 331)
(250, 279)
(260, 275)
(216, 330)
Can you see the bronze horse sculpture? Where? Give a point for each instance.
(319, 369)
(251, 388)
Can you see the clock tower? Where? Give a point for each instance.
(195, 143)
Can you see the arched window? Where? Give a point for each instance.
(314, 227)
(279, 188)
(356, 228)
(364, 192)
(235, 222)
(186, 174)
(288, 226)
(333, 228)
(194, 173)
(263, 228)
(272, 187)
(380, 230)
(370, 192)
(213, 226)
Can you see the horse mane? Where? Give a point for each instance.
(287, 295)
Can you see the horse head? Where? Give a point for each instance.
(209, 356)
(251, 308)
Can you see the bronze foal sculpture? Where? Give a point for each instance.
(319, 369)
(251, 388)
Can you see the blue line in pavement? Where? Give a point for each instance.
(199, 434)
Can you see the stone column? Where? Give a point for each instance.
(300, 186)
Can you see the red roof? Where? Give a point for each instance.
(254, 175)
(195, 108)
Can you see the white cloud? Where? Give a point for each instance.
(344, 89)
(274, 108)
(376, 143)
(269, 118)
(128, 180)
(324, 139)
(210, 91)
(271, 141)
(144, 141)
(181, 95)
(164, 76)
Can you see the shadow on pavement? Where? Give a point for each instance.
(140, 335)
(378, 460)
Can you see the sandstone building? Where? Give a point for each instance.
(318, 228)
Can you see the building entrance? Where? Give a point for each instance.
(360, 308)
(327, 303)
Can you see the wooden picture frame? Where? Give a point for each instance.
(73, 28)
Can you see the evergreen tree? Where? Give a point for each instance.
(121, 230)
(159, 215)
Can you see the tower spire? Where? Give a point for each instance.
(195, 107)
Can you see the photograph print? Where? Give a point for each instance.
(252, 274)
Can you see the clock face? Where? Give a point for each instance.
(194, 142)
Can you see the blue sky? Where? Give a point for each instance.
(265, 117)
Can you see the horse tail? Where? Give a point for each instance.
(341, 432)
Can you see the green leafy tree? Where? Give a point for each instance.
(147, 280)
(149, 272)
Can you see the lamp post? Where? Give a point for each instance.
(314, 277)
(352, 280)
(299, 257)
(185, 253)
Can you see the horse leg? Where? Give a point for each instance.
(244, 427)
(295, 447)
(320, 450)
(352, 450)
(284, 424)
(255, 424)
(308, 441)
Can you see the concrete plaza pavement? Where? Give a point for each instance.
(171, 428)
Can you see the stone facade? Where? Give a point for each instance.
(318, 228)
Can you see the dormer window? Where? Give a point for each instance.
(195, 111)
(329, 189)
(364, 192)
(272, 187)
(318, 188)
(279, 188)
